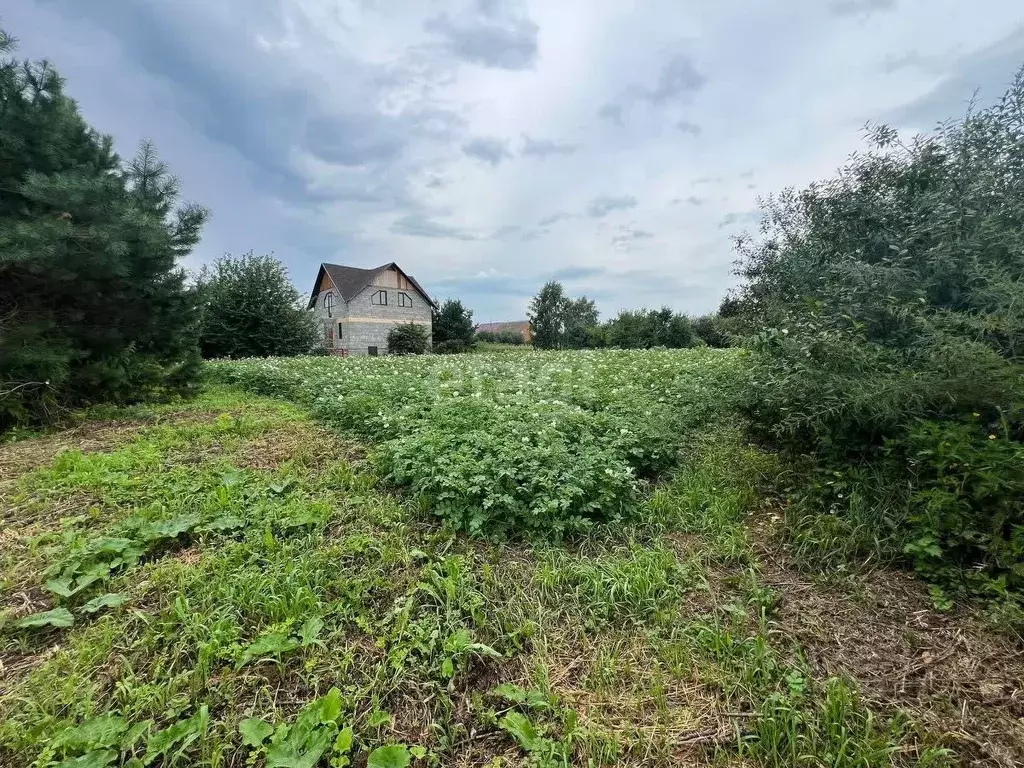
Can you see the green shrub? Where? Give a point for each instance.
(647, 328)
(966, 506)
(713, 330)
(891, 303)
(500, 337)
(408, 339)
(251, 309)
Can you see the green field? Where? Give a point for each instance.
(495, 559)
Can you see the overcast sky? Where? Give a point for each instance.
(490, 145)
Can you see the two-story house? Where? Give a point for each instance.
(359, 306)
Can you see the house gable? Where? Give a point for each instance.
(349, 282)
(325, 283)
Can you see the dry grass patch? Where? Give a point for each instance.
(23, 456)
(953, 672)
(304, 444)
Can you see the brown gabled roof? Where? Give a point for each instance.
(349, 281)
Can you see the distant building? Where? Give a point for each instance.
(358, 307)
(521, 327)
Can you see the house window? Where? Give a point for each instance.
(380, 298)
(339, 331)
(329, 303)
(404, 299)
(371, 351)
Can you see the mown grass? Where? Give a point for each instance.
(305, 594)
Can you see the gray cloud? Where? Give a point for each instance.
(417, 225)
(602, 205)
(859, 7)
(624, 239)
(739, 217)
(677, 80)
(554, 218)
(915, 60)
(481, 290)
(504, 232)
(355, 139)
(487, 149)
(489, 38)
(231, 90)
(612, 113)
(534, 234)
(334, 131)
(545, 148)
(655, 286)
(577, 273)
(986, 72)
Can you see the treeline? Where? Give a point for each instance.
(500, 337)
(885, 312)
(559, 321)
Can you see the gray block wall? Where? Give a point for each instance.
(364, 325)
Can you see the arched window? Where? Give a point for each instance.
(329, 303)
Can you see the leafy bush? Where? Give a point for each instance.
(891, 300)
(251, 309)
(647, 328)
(500, 337)
(713, 330)
(965, 506)
(408, 339)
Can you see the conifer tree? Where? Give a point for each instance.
(93, 306)
(453, 327)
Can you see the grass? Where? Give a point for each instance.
(276, 603)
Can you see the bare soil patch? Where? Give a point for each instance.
(954, 672)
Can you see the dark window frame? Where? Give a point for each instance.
(379, 294)
(404, 299)
(339, 330)
(329, 303)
